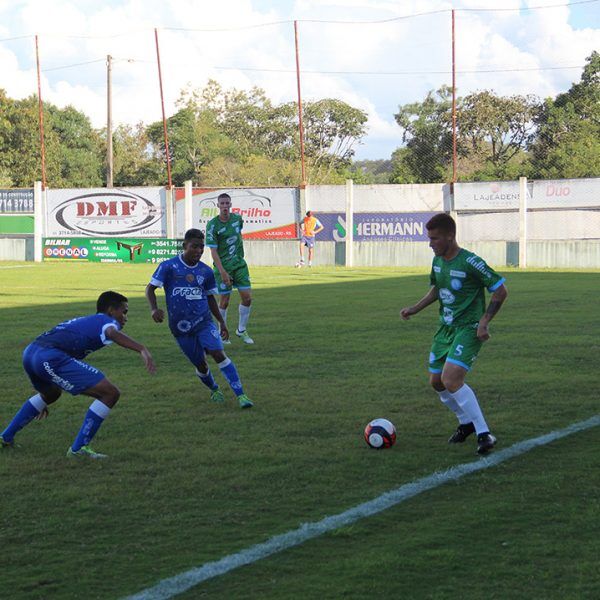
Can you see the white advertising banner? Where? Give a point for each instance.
(486, 195)
(565, 193)
(114, 212)
(426, 197)
(268, 213)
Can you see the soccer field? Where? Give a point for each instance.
(189, 482)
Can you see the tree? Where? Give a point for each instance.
(78, 150)
(135, 160)
(427, 134)
(494, 132)
(568, 140)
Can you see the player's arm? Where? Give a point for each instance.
(216, 313)
(118, 337)
(429, 298)
(158, 314)
(218, 263)
(319, 227)
(499, 295)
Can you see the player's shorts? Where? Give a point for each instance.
(456, 345)
(49, 367)
(193, 345)
(240, 276)
(309, 242)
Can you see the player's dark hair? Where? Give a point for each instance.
(193, 234)
(308, 213)
(108, 300)
(442, 221)
(223, 195)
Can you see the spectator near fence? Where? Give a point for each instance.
(309, 228)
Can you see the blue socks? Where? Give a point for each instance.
(230, 373)
(207, 379)
(30, 409)
(97, 412)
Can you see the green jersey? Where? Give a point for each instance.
(460, 283)
(227, 239)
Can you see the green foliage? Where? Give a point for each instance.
(568, 141)
(427, 133)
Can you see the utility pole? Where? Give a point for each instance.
(109, 140)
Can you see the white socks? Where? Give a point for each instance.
(467, 401)
(244, 316)
(447, 399)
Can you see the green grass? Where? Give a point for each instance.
(189, 482)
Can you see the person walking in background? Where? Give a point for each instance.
(190, 290)
(458, 279)
(53, 362)
(309, 228)
(224, 238)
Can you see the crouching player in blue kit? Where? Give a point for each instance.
(53, 363)
(190, 290)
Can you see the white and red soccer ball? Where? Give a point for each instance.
(380, 433)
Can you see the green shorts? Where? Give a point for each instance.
(240, 276)
(456, 345)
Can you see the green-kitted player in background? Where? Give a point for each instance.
(458, 279)
(224, 238)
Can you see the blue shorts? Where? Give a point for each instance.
(309, 242)
(49, 367)
(193, 345)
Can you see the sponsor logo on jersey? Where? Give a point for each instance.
(448, 315)
(437, 269)
(199, 279)
(189, 277)
(460, 274)
(446, 296)
(479, 264)
(456, 284)
(189, 293)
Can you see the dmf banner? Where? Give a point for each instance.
(106, 212)
(110, 250)
(376, 227)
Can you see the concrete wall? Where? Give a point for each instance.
(16, 248)
(579, 254)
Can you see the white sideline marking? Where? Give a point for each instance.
(17, 266)
(167, 588)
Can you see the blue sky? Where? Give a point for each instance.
(373, 66)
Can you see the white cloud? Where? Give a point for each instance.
(84, 31)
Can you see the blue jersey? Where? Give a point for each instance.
(186, 291)
(80, 336)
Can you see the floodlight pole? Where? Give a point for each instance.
(300, 124)
(162, 101)
(41, 115)
(109, 137)
(454, 169)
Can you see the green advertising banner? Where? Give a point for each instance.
(111, 250)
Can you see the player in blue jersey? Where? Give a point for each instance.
(190, 290)
(54, 363)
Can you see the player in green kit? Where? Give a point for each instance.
(224, 238)
(458, 279)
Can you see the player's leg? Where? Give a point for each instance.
(224, 298)
(310, 245)
(193, 347)
(105, 395)
(442, 342)
(458, 363)
(230, 373)
(242, 282)
(35, 407)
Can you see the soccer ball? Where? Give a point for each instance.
(380, 433)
